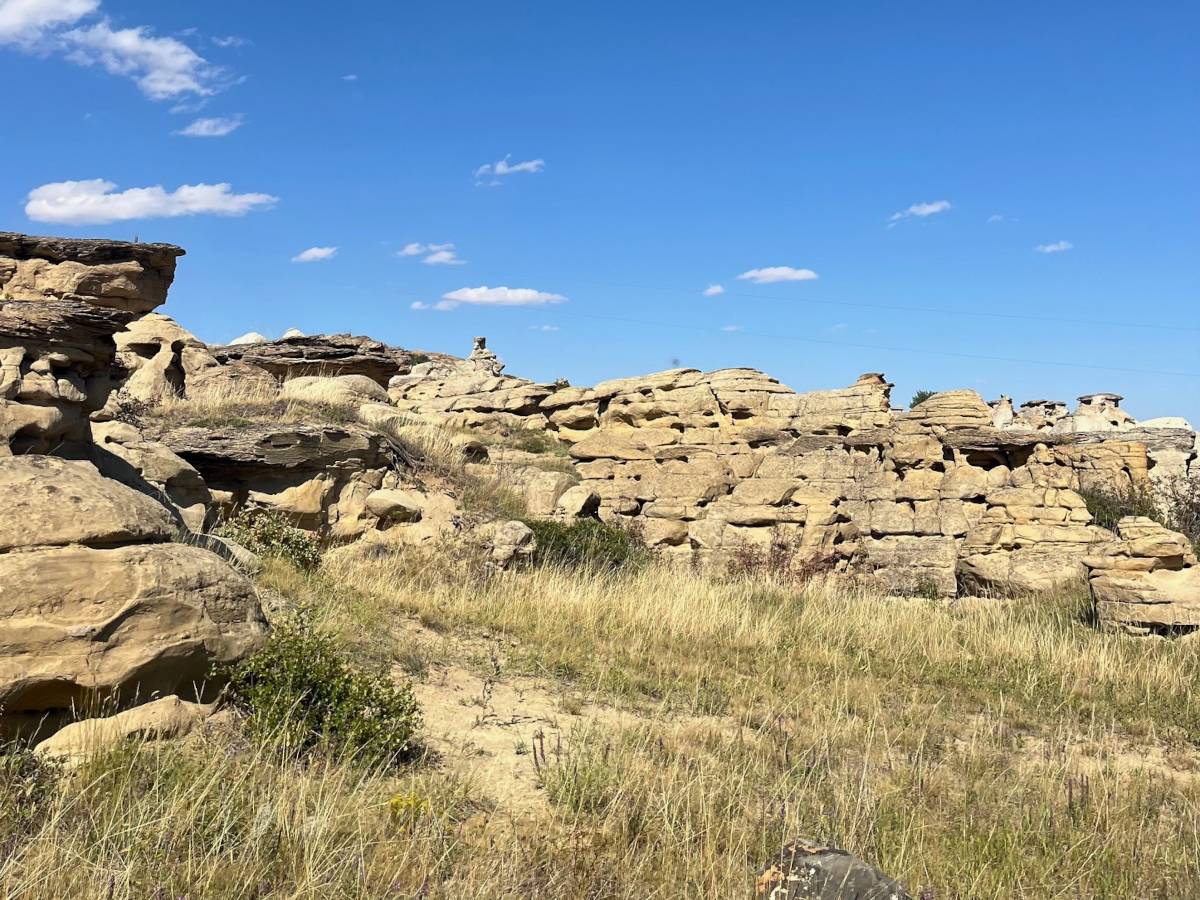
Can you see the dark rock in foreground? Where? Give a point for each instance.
(806, 870)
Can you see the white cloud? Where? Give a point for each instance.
(26, 22)
(315, 254)
(96, 201)
(418, 304)
(214, 127)
(1056, 247)
(498, 296)
(773, 274)
(543, 328)
(443, 258)
(231, 40)
(837, 328)
(499, 169)
(349, 78)
(163, 67)
(731, 328)
(995, 217)
(921, 210)
(438, 254)
(714, 290)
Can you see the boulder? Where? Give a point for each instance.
(511, 542)
(122, 453)
(342, 390)
(158, 720)
(50, 502)
(1146, 581)
(96, 607)
(809, 870)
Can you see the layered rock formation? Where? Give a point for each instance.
(954, 491)
(326, 354)
(61, 302)
(99, 609)
(341, 482)
(1145, 581)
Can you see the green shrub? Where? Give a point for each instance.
(533, 441)
(265, 532)
(587, 544)
(1181, 506)
(920, 397)
(302, 692)
(1109, 506)
(1173, 503)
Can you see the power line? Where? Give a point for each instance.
(893, 349)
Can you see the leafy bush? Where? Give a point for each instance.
(302, 692)
(265, 532)
(1180, 500)
(534, 441)
(1109, 506)
(587, 544)
(1173, 503)
(920, 397)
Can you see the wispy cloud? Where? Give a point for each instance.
(315, 254)
(773, 274)
(163, 67)
(837, 328)
(350, 77)
(27, 22)
(96, 201)
(500, 296)
(435, 254)
(1056, 247)
(921, 210)
(499, 170)
(214, 127)
(714, 290)
(994, 217)
(731, 328)
(230, 40)
(543, 328)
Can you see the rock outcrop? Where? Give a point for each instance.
(61, 302)
(324, 354)
(161, 358)
(955, 490)
(338, 481)
(97, 607)
(1146, 581)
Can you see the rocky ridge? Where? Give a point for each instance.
(102, 607)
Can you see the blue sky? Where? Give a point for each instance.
(666, 147)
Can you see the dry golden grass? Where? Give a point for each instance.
(990, 750)
(1001, 751)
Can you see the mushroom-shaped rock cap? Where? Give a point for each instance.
(90, 251)
(872, 378)
(1114, 399)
